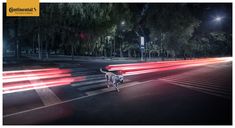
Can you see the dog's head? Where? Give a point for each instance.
(120, 77)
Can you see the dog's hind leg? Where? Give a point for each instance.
(107, 81)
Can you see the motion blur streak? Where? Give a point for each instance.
(38, 73)
(31, 88)
(160, 64)
(33, 70)
(23, 80)
(141, 68)
(34, 77)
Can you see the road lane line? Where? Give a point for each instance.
(198, 83)
(200, 89)
(192, 84)
(45, 94)
(204, 86)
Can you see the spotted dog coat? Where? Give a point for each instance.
(112, 78)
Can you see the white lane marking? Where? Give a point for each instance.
(207, 84)
(78, 98)
(45, 94)
(203, 86)
(200, 89)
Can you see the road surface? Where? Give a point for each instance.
(197, 93)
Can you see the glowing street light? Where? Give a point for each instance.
(123, 23)
(218, 19)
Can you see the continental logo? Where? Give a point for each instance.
(22, 8)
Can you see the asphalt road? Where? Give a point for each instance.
(197, 95)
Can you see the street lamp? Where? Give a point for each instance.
(123, 23)
(109, 37)
(122, 29)
(218, 19)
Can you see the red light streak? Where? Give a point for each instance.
(33, 70)
(23, 80)
(141, 68)
(31, 88)
(34, 77)
(37, 73)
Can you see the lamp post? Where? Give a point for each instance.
(142, 47)
(109, 37)
(218, 19)
(120, 48)
(123, 23)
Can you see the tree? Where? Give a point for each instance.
(173, 25)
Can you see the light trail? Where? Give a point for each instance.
(34, 77)
(162, 63)
(148, 67)
(33, 70)
(132, 72)
(147, 64)
(6, 91)
(42, 84)
(24, 80)
(37, 73)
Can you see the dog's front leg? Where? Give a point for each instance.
(116, 86)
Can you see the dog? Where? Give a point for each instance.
(113, 78)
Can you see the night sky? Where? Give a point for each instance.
(206, 12)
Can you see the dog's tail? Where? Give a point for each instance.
(102, 71)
